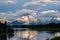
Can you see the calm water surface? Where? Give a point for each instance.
(26, 34)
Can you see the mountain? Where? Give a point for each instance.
(26, 19)
(19, 23)
(15, 23)
(57, 20)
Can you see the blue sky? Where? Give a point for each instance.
(11, 6)
(13, 9)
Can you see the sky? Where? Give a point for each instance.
(42, 10)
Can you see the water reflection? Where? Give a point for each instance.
(57, 34)
(26, 34)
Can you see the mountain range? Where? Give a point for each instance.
(28, 19)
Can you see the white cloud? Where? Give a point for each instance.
(27, 19)
(41, 2)
(49, 16)
(12, 16)
(26, 11)
(55, 0)
(34, 2)
(42, 17)
(50, 13)
(8, 1)
(27, 16)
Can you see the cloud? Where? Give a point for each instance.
(34, 2)
(27, 19)
(28, 16)
(50, 13)
(3, 19)
(8, 1)
(26, 11)
(49, 16)
(41, 3)
(42, 17)
(55, 0)
(12, 16)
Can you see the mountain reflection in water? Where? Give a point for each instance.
(26, 34)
